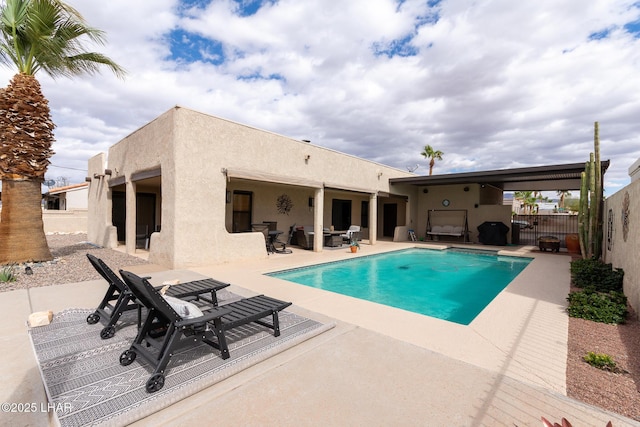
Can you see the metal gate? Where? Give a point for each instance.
(527, 229)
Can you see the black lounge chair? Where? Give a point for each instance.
(119, 299)
(182, 332)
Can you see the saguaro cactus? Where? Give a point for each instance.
(590, 212)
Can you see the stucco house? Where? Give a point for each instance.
(191, 185)
(196, 183)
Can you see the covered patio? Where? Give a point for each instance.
(321, 210)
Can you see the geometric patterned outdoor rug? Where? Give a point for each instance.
(86, 385)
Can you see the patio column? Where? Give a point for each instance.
(130, 224)
(318, 221)
(373, 218)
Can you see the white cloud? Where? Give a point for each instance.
(494, 84)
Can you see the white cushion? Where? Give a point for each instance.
(457, 230)
(447, 228)
(185, 309)
(436, 229)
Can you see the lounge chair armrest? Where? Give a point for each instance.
(210, 315)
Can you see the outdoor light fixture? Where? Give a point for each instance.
(425, 191)
(107, 172)
(87, 178)
(466, 188)
(306, 158)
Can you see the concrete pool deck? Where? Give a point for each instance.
(378, 366)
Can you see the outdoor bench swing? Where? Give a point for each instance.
(447, 217)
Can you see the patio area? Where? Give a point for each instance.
(378, 365)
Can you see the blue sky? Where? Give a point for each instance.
(493, 84)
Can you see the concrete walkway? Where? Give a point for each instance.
(378, 366)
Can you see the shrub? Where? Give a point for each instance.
(601, 361)
(609, 307)
(7, 274)
(596, 275)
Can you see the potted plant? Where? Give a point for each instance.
(354, 245)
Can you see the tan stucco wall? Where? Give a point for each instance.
(620, 253)
(72, 221)
(99, 228)
(69, 221)
(192, 149)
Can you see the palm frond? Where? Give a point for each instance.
(48, 35)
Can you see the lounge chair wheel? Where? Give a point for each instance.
(155, 383)
(93, 318)
(127, 357)
(108, 332)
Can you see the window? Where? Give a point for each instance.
(242, 201)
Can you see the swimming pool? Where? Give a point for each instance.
(454, 285)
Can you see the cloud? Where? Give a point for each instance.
(492, 84)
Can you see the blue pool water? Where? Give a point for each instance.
(453, 285)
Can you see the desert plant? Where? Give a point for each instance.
(590, 212)
(609, 307)
(595, 275)
(601, 361)
(7, 274)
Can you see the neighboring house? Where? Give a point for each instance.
(547, 207)
(67, 198)
(190, 187)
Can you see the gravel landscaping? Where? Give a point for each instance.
(70, 263)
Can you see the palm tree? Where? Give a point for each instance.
(34, 35)
(529, 199)
(430, 153)
(563, 194)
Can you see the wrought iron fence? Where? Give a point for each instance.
(527, 229)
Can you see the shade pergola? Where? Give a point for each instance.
(537, 178)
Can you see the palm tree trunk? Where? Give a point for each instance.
(22, 235)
